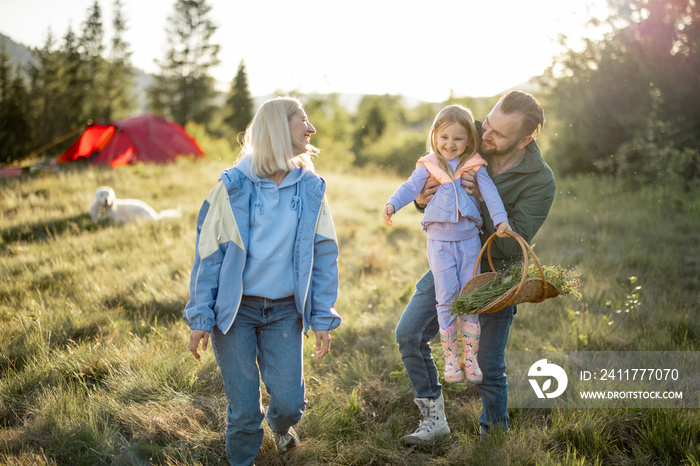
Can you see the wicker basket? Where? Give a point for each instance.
(529, 290)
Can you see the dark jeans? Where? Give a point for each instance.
(418, 325)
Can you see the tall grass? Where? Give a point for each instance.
(94, 367)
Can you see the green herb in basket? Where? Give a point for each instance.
(566, 281)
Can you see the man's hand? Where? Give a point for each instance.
(429, 189)
(195, 336)
(471, 186)
(323, 343)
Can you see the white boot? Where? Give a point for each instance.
(434, 425)
(286, 441)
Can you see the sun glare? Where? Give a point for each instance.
(408, 48)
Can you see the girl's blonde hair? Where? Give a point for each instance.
(447, 116)
(268, 142)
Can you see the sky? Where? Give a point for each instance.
(420, 49)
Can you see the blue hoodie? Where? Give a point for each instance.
(274, 214)
(243, 248)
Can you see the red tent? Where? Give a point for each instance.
(146, 138)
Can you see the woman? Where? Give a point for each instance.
(265, 270)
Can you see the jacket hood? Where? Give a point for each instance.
(432, 164)
(244, 166)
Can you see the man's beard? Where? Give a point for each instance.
(495, 151)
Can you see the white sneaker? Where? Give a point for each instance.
(286, 441)
(434, 426)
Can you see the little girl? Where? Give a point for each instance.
(453, 221)
(265, 272)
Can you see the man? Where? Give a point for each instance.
(526, 185)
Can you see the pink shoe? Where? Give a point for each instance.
(448, 338)
(470, 347)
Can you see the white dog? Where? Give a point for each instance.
(106, 205)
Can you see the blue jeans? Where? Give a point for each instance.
(266, 336)
(418, 325)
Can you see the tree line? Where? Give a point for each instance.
(624, 106)
(628, 106)
(78, 79)
(69, 85)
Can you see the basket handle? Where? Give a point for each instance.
(526, 249)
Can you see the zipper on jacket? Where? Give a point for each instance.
(311, 270)
(454, 187)
(240, 295)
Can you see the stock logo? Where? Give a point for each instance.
(547, 371)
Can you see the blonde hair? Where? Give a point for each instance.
(447, 116)
(526, 105)
(268, 142)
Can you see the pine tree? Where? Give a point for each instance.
(184, 90)
(120, 73)
(74, 81)
(15, 127)
(91, 47)
(43, 87)
(57, 87)
(239, 105)
(92, 39)
(4, 73)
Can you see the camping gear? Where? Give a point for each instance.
(147, 138)
(530, 290)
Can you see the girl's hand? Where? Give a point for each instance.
(195, 336)
(502, 228)
(323, 343)
(387, 213)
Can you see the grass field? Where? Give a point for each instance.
(94, 367)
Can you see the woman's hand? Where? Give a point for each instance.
(195, 336)
(323, 343)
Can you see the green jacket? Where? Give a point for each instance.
(527, 191)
